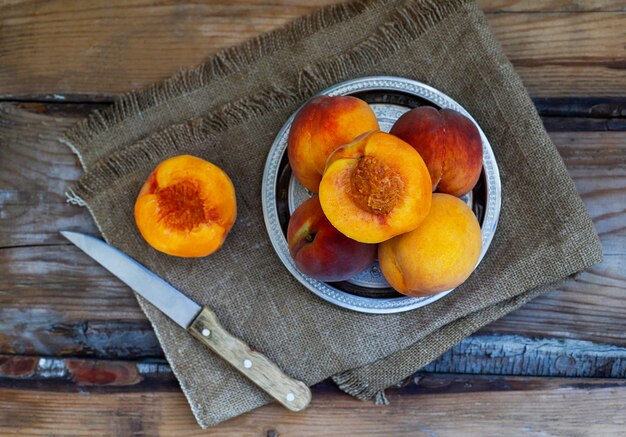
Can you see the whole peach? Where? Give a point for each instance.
(449, 143)
(322, 125)
(437, 256)
(321, 251)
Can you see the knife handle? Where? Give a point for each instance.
(291, 393)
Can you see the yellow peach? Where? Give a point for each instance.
(322, 125)
(437, 256)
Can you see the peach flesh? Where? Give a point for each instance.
(375, 188)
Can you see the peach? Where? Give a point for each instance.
(437, 256)
(186, 207)
(375, 188)
(322, 125)
(449, 143)
(321, 251)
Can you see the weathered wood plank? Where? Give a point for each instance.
(511, 355)
(596, 162)
(56, 301)
(59, 50)
(595, 107)
(517, 355)
(79, 309)
(492, 6)
(580, 309)
(442, 405)
(556, 54)
(71, 374)
(102, 48)
(501, 354)
(35, 171)
(576, 124)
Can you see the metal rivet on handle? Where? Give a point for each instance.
(206, 332)
(247, 364)
(290, 397)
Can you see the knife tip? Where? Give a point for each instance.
(67, 234)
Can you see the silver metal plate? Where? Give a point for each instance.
(162, 295)
(369, 292)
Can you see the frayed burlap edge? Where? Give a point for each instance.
(355, 381)
(408, 21)
(223, 63)
(125, 161)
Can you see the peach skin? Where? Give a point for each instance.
(321, 251)
(449, 143)
(437, 256)
(322, 125)
(375, 188)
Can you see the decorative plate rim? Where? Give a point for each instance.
(270, 210)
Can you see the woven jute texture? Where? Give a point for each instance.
(229, 110)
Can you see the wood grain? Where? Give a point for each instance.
(442, 405)
(511, 355)
(552, 5)
(80, 310)
(35, 171)
(597, 164)
(575, 107)
(75, 51)
(591, 307)
(566, 54)
(56, 302)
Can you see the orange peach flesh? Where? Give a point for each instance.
(186, 207)
(397, 199)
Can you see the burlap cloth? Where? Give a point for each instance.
(229, 110)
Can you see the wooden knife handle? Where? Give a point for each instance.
(293, 394)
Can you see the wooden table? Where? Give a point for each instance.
(77, 356)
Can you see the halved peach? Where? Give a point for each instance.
(375, 188)
(186, 207)
(322, 125)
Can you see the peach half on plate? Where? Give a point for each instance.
(375, 188)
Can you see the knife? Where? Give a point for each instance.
(198, 320)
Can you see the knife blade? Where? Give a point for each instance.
(199, 321)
